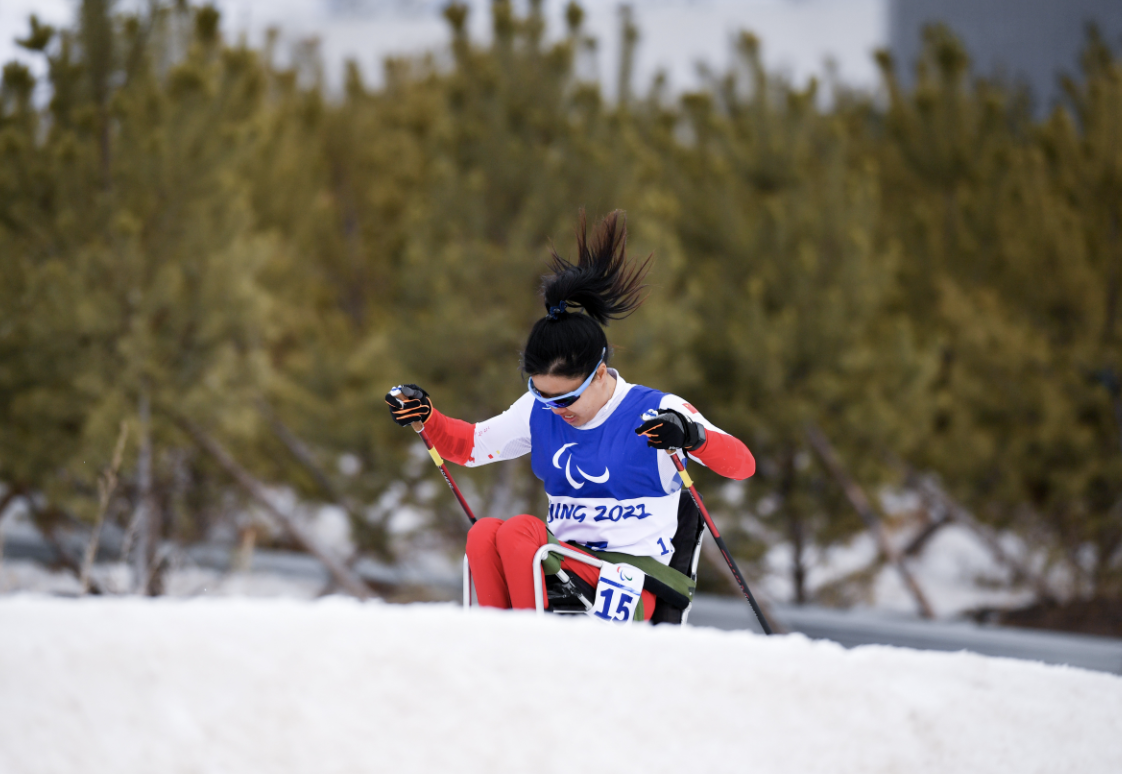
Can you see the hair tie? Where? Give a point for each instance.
(556, 311)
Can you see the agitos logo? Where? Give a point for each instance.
(568, 472)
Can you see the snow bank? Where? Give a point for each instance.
(234, 685)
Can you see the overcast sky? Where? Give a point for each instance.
(798, 35)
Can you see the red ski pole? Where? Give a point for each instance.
(419, 427)
(688, 482)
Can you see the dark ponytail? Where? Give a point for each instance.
(604, 285)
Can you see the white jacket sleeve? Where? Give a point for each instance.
(503, 437)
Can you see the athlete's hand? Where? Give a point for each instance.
(667, 429)
(408, 404)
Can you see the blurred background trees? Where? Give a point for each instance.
(195, 238)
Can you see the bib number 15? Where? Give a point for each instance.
(617, 593)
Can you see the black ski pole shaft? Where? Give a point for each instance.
(688, 481)
(419, 427)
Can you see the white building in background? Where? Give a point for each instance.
(798, 36)
(1025, 41)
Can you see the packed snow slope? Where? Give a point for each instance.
(129, 685)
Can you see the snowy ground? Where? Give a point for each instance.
(128, 685)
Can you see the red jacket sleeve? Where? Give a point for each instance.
(454, 439)
(726, 455)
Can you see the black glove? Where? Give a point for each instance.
(667, 429)
(408, 404)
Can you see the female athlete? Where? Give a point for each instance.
(610, 485)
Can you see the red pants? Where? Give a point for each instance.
(501, 556)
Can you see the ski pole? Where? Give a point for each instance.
(720, 541)
(419, 427)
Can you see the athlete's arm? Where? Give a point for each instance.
(726, 455)
(721, 452)
(499, 438)
(453, 438)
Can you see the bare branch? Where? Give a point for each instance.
(344, 576)
(147, 531)
(933, 494)
(917, 543)
(106, 484)
(304, 456)
(864, 507)
(300, 451)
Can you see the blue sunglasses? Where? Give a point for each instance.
(569, 398)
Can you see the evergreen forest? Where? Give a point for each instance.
(213, 266)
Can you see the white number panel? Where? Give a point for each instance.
(617, 593)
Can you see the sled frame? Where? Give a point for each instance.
(550, 548)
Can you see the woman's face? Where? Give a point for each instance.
(593, 399)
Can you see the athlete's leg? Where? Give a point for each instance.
(486, 567)
(517, 541)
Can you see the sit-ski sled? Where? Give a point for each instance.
(673, 586)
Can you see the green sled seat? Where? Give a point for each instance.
(673, 586)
